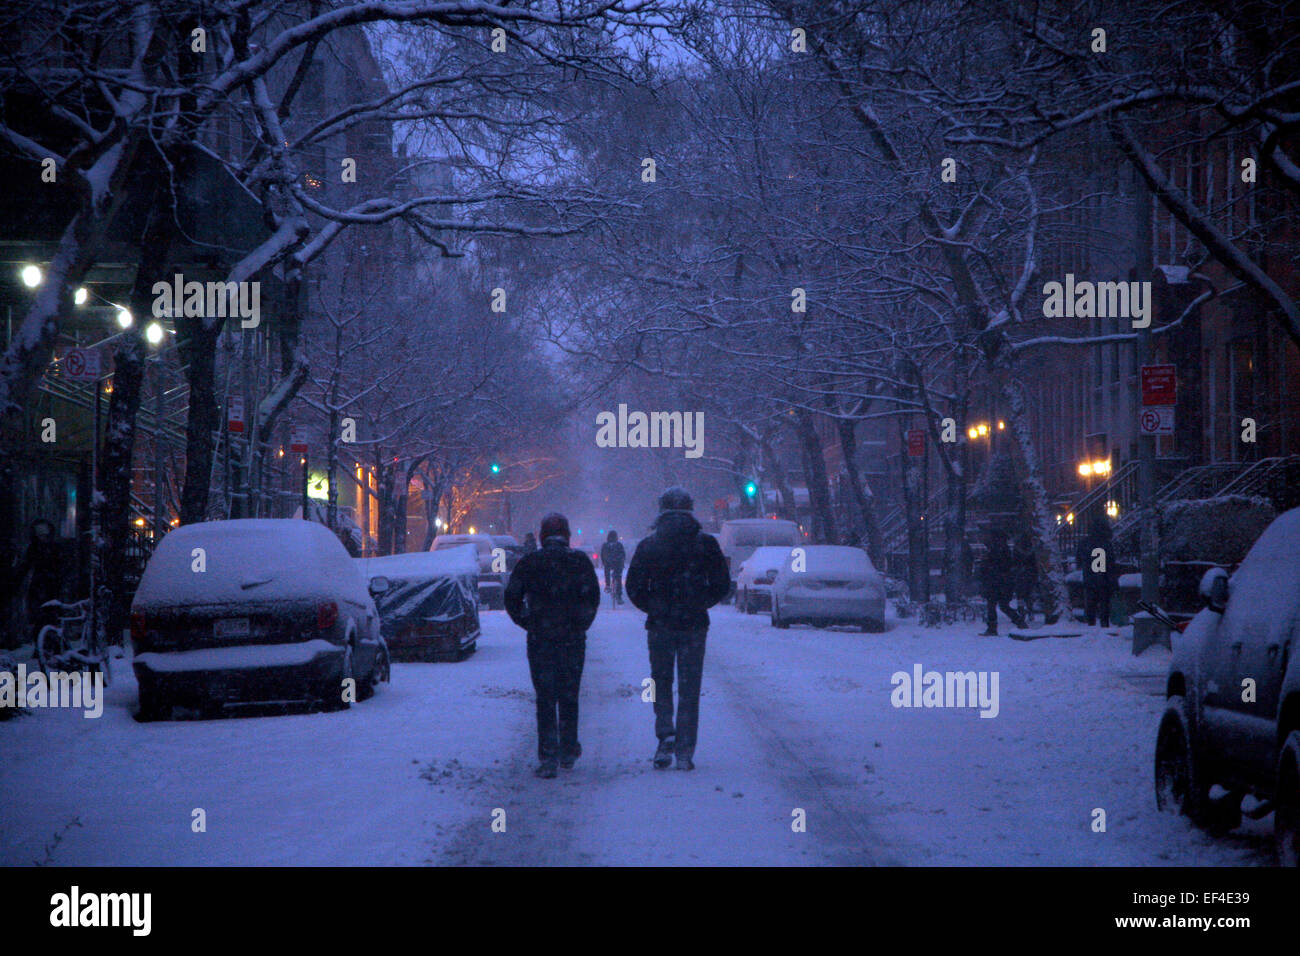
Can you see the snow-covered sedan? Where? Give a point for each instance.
(828, 584)
(1233, 696)
(254, 611)
(755, 577)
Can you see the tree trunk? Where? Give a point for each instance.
(1043, 527)
(198, 349)
(819, 492)
(862, 498)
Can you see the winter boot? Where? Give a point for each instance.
(989, 633)
(567, 760)
(664, 754)
(685, 763)
(546, 770)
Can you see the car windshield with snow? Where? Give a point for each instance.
(254, 611)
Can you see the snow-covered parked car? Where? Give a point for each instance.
(254, 611)
(491, 582)
(739, 537)
(429, 610)
(1233, 692)
(755, 577)
(829, 584)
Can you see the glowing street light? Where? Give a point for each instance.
(31, 276)
(1112, 509)
(80, 296)
(153, 333)
(124, 318)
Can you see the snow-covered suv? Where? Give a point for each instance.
(1233, 715)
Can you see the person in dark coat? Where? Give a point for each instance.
(1024, 573)
(612, 558)
(43, 560)
(553, 595)
(1094, 556)
(677, 573)
(530, 543)
(995, 576)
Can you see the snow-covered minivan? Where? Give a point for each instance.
(254, 611)
(1233, 695)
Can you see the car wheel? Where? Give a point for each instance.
(1286, 806)
(332, 692)
(776, 617)
(1180, 783)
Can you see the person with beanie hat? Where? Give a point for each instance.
(677, 573)
(553, 595)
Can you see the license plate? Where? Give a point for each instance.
(230, 627)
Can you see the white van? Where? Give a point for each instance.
(741, 536)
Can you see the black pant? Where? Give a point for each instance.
(556, 668)
(1096, 604)
(614, 583)
(686, 650)
(991, 612)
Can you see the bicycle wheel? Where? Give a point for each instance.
(49, 646)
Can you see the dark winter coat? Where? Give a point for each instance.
(553, 593)
(613, 554)
(45, 560)
(677, 573)
(1024, 571)
(995, 572)
(1083, 558)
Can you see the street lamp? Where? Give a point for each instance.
(31, 276)
(153, 333)
(124, 318)
(80, 296)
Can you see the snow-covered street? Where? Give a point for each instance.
(790, 720)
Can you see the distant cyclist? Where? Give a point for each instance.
(612, 559)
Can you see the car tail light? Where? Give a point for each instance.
(326, 615)
(139, 625)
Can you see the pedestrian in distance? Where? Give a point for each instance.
(553, 595)
(1095, 559)
(1024, 573)
(43, 561)
(612, 558)
(529, 544)
(677, 573)
(995, 576)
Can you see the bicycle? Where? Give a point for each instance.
(72, 644)
(614, 587)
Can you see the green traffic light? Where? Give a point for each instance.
(496, 468)
(751, 489)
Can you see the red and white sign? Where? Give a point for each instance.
(1159, 385)
(82, 365)
(1157, 420)
(235, 413)
(916, 442)
(298, 439)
